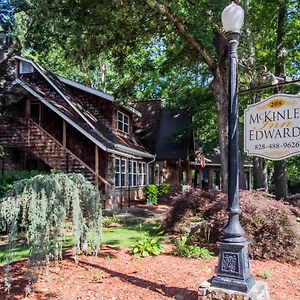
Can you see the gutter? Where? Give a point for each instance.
(134, 151)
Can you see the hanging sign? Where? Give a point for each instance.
(272, 127)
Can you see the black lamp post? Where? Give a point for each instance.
(233, 266)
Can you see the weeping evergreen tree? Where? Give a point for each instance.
(42, 205)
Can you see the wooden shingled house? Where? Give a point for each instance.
(56, 123)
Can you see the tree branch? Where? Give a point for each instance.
(187, 36)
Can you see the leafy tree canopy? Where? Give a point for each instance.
(174, 50)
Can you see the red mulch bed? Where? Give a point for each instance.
(117, 275)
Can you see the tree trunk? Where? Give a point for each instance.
(222, 107)
(280, 180)
(260, 173)
(280, 172)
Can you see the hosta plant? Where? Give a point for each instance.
(147, 246)
(185, 247)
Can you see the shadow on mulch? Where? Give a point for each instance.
(19, 283)
(143, 283)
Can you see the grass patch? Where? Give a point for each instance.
(21, 251)
(125, 236)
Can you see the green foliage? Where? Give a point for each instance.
(44, 203)
(185, 247)
(151, 59)
(7, 15)
(7, 179)
(163, 189)
(265, 275)
(147, 246)
(125, 235)
(109, 221)
(151, 192)
(293, 165)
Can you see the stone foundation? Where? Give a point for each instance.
(258, 292)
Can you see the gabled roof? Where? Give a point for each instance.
(96, 93)
(146, 127)
(58, 96)
(164, 131)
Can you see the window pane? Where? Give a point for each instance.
(117, 165)
(123, 122)
(120, 116)
(123, 179)
(123, 166)
(120, 125)
(117, 180)
(117, 172)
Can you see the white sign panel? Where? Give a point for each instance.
(272, 127)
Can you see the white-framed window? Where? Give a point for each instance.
(25, 67)
(120, 172)
(123, 172)
(142, 174)
(123, 122)
(133, 173)
(117, 172)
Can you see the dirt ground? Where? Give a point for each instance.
(115, 275)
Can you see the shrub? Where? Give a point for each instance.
(110, 220)
(151, 192)
(270, 225)
(7, 179)
(185, 246)
(163, 189)
(44, 203)
(147, 246)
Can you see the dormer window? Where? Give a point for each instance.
(25, 67)
(123, 122)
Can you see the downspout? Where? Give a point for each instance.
(129, 183)
(148, 163)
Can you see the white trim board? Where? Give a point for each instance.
(85, 88)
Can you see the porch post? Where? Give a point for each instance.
(96, 165)
(64, 134)
(28, 108)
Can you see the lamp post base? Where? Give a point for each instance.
(233, 268)
(258, 292)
